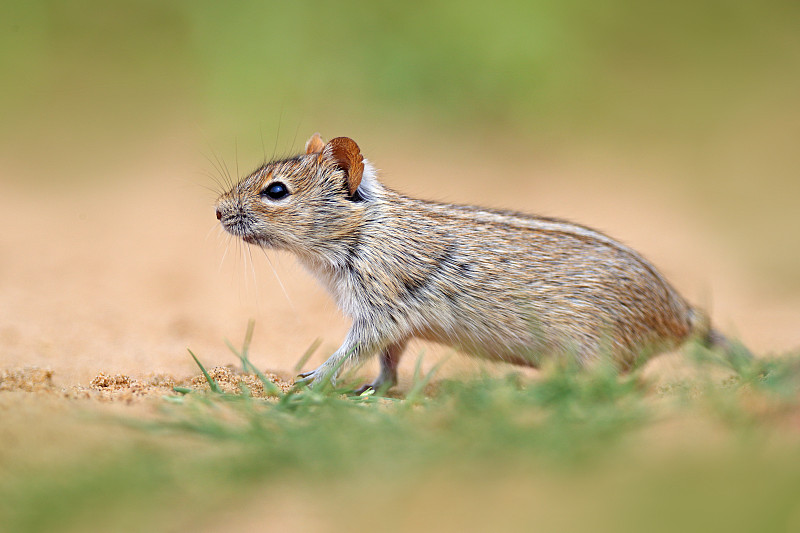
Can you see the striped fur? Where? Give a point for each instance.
(496, 284)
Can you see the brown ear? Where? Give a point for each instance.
(315, 144)
(345, 153)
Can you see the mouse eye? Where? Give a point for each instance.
(275, 191)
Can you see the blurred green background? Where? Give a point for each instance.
(678, 72)
(707, 89)
(698, 98)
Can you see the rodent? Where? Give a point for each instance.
(496, 284)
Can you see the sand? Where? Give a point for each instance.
(124, 388)
(104, 286)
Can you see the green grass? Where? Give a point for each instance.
(719, 449)
(564, 416)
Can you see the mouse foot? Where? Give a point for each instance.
(365, 388)
(313, 378)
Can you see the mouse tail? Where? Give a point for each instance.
(704, 332)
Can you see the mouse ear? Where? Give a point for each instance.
(315, 144)
(345, 153)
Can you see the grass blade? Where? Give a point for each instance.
(417, 390)
(248, 337)
(249, 368)
(307, 355)
(211, 383)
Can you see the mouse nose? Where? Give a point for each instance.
(219, 214)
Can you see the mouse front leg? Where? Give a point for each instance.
(361, 343)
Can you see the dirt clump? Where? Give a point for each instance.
(120, 387)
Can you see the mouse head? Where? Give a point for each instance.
(310, 204)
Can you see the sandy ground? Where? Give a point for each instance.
(123, 276)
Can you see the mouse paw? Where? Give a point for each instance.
(364, 388)
(306, 378)
(315, 378)
(378, 387)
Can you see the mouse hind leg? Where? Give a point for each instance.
(387, 378)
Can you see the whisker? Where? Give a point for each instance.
(278, 133)
(253, 270)
(216, 178)
(222, 169)
(240, 255)
(220, 180)
(243, 258)
(212, 161)
(228, 173)
(225, 253)
(263, 149)
(280, 283)
(214, 191)
(296, 133)
(213, 226)
(193, 182)
(236, 155)
(205, 155)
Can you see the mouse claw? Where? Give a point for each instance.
(365, 388)
(305, 378)
(378, 387)
(313, 378)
